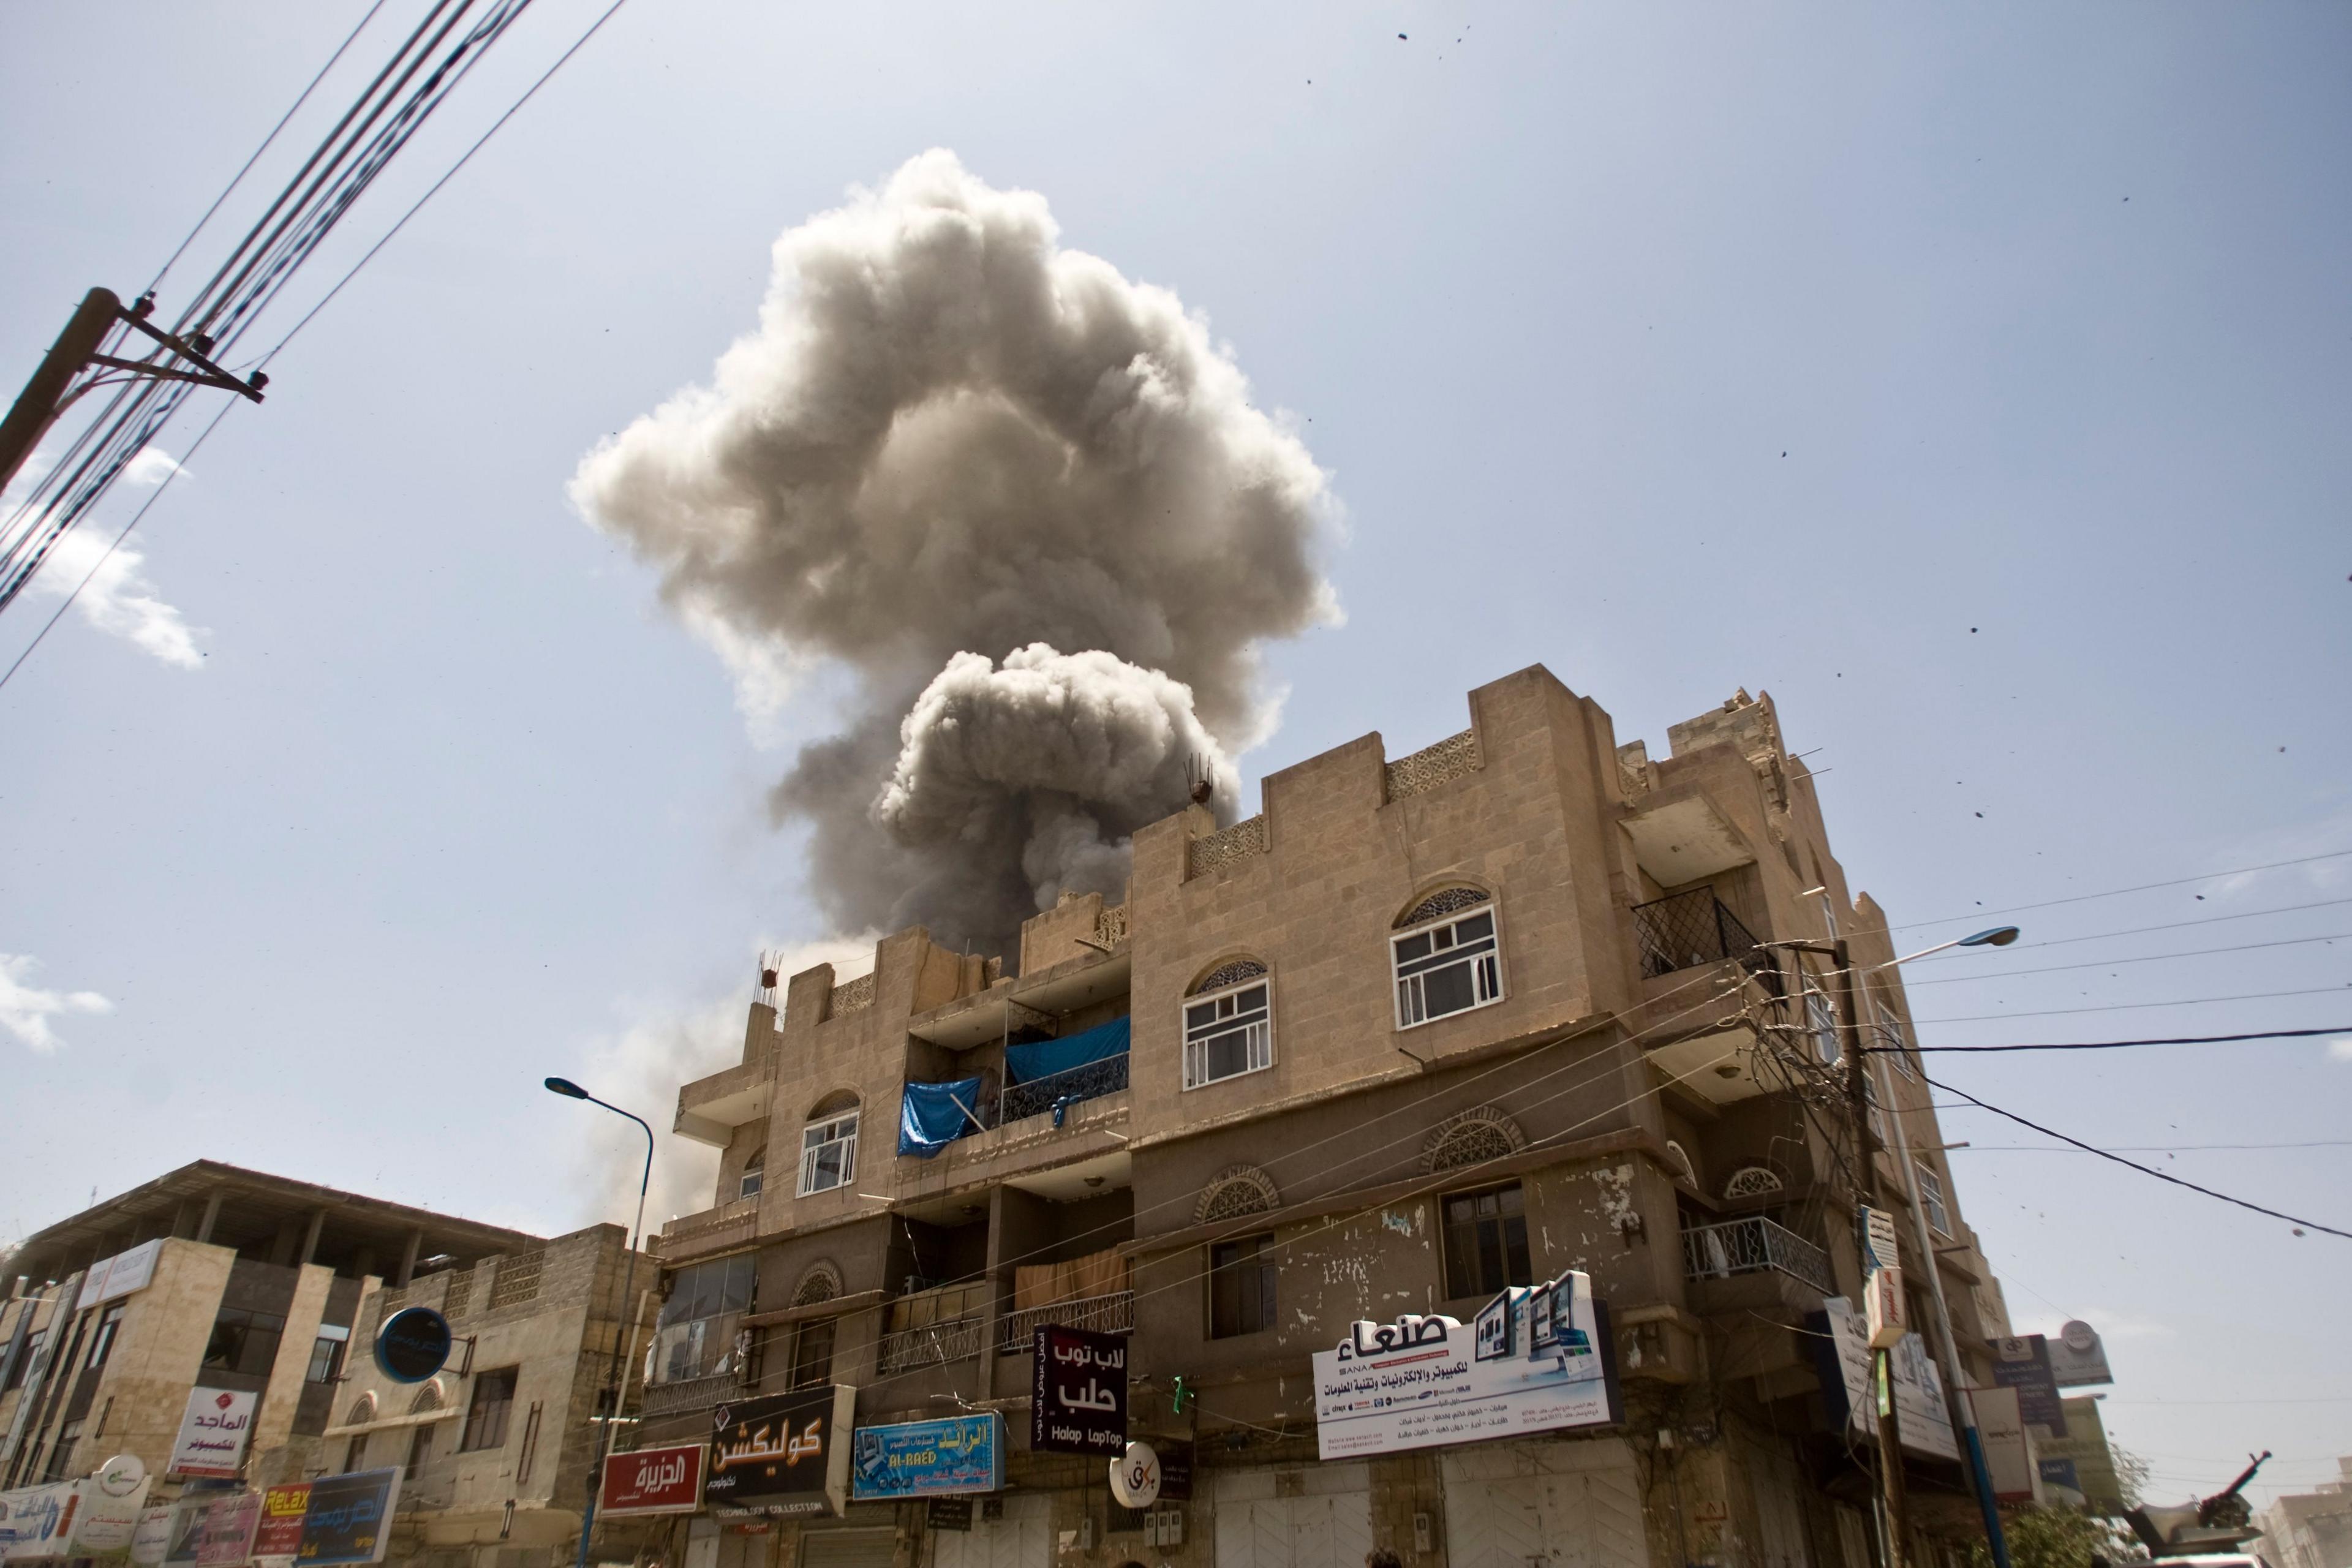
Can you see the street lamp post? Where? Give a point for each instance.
(1890, 1453)
(570, 1091)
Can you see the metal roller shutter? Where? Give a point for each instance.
(1021, 1539)
(1544, 1505)
(848, 1548)
(1327, 1524)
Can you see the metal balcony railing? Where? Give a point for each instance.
(1058, 1091)
(1688, 929)
(1111, 1315)
(1751, 1246)
(933, 1344)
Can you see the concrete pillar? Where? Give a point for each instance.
(408, 1258)
(212, 1218)
(310, 1241)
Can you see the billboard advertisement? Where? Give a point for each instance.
(279, 1533)
(348, 1519)
(37, 1521)
(784, 1456)
(1078, 1402)
(923, 1459)
(229, 1524)
(2023, 1363)
(1531, 1361)
(212, 1432)
(1841, 1343)
(652, 1480)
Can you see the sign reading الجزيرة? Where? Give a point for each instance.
(1078, 1395)
(1533, 1360)
(652, 1480)
(784, 1456)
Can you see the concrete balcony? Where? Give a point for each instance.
(716, 1229)
(987, 1016)
(1755, 1246)
(710, 1109)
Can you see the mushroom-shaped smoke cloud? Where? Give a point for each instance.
(951, 449)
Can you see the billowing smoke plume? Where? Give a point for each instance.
(1026, 502)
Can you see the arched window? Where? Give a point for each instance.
(430, 1396)
(1679, 1160)
(755, 1174)
(1236, 1191)
(1472, 1137)
(1229, 1023)
(1446, 956)
(1754, 1182)
(362, 1411)
(829, 1144)
(820, 1283)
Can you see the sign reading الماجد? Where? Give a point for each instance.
(1532, 1361)
(212, 1432)
(1078, 1397)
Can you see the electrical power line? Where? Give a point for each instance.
(2136, 1166)
(2110, 1045)
(2142, 931)
(2146, 1148)
(2115, 892)
(2134, 1006)
(1989, 976)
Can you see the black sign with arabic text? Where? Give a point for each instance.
(771, 1454)
(1078, 1395)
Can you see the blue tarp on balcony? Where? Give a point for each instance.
(932, 1115)
(1025, 1064)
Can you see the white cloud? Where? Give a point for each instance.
(641, 1069)
(119, 601)
(2340, 1049)
(25, 1011)
(151, 466)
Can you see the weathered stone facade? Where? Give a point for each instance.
(1628, 1066)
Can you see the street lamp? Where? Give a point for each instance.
(570, 1091)
(1890, 1440)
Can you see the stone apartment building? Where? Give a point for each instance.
(225, 1278)
(1419, 1030)
(2311, 1530)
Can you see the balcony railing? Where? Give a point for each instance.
(1751, 1246)
(1691, 929)
(933, 1344)
(1111, 1315)
(1058, 1091)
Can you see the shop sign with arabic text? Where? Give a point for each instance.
(212, 1432)
(1078, 1397)
(1532, 1361)
(348, 1518)
(652, 1480)
(785, 1455)
(925, 1459)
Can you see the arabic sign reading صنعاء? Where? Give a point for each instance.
(1532, 1361)
(1078, 1398)
(652, 1480)
(346, 1518)
(280, 1533)
(213, 1431)
(1841, 1346)
(782, 1455)
(925, 1459)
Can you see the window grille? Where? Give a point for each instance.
(1447, 968)
(1228, 1034)
(828, 1154)
(1225, 974)
(1754, 1182)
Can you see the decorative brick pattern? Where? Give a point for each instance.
(517, 1279)
(1247, 836)
(1441, 904)
(1225, 974)
(1433, 765)
(1110, 925)
(1471, 1137)
(461, 1295)
(1236, 1191)
(852, 995)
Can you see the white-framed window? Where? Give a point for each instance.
(828, 1154)
(1890, 1032)
(1931, 1198)
(1228, 1033)
(755, 1175)
(1822, 1020)
(1449, 966)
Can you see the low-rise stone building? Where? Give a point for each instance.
(1420, 1030)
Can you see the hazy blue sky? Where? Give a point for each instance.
(1965, 379)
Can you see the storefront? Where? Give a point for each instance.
(1316, 1516)
(1543, 1505)
(1020, 1537)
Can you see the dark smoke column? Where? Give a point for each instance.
(1025, 501)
